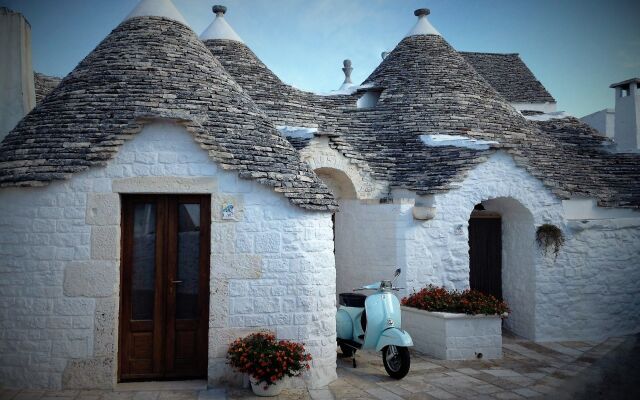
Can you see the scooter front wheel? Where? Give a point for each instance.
(396, 361)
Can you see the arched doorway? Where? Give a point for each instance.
(501, 258)
(485, 251)
(344, 225)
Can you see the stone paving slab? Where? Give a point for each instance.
(527, 371)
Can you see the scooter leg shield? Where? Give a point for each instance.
(344, 325)
(395, 337)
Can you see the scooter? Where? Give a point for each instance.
(374, 322)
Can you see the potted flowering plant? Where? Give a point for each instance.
(267, 361)
(454, 325)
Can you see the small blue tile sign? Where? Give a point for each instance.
(228, 211)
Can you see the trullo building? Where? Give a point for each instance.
(172, 194)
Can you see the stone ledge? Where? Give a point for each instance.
(164, 184)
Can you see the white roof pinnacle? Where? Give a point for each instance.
(157, 8)
(423, 26)
(219, 28)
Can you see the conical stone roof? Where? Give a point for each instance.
(153, 67)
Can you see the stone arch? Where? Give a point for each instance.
(338, 181)
(517, 260)
(321, 157)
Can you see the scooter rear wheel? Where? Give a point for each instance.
(396, 361)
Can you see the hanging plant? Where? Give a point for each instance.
(548, 236)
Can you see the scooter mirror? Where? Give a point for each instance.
(397, 273)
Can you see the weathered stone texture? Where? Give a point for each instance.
(150, 67)
(429, 88)
(509, 76)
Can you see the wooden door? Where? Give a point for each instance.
(485, 253)
(164, 306)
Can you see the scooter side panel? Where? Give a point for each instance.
(344, 325)
(380, 310)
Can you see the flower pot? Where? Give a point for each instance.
(270, 391)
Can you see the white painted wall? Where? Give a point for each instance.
(367, 243)
(273, 268)
(627, 119)
(450, 336)
(590, 291)
(603, 121)
(16, 73)
(518, 253)
(543, 107)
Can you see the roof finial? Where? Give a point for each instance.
(219, 28)
(347, 71)
(384, 54)
(347, 68)
(423, 27)
(219, 10)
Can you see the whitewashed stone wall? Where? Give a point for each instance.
(454, 336)
(59, 266)
(589, 291)
(367, 243)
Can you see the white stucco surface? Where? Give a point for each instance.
(157, 8)
(627, 120)
(603, 121)
(16, 72)
(547, 107)
(220, 29)
(423, 27)
(271, 268)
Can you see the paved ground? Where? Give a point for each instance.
(558, 370)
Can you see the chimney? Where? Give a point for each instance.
(16, 72)
(627, 117)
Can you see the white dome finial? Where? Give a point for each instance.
(423, 26)
(157, 8)
(219, 28)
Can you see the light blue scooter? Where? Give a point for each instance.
(374, 322)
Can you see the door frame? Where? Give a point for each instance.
(166, 257)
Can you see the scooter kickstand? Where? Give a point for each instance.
(354, 360)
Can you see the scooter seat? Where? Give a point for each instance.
(352, 299)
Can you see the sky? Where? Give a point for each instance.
(576, 48)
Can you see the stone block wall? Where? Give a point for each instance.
(272, 267)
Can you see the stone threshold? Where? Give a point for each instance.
(197, 384)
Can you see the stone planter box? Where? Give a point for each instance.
(450, 336)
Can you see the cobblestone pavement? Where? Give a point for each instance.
(556, 370)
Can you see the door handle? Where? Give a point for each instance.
(176, 282)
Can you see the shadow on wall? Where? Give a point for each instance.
(518, 263)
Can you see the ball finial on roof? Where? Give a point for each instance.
(218, 9)
(347, 63)
(422, 12)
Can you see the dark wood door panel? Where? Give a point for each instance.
(165, 287)
(485, 255)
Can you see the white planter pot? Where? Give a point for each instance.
(270, 391)
(450, 336)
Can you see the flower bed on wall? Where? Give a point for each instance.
(454, 325)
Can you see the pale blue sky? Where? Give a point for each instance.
(575, 47)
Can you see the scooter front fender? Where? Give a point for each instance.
(395, 337)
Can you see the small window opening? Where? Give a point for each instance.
(369, 99)
(624, 91)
